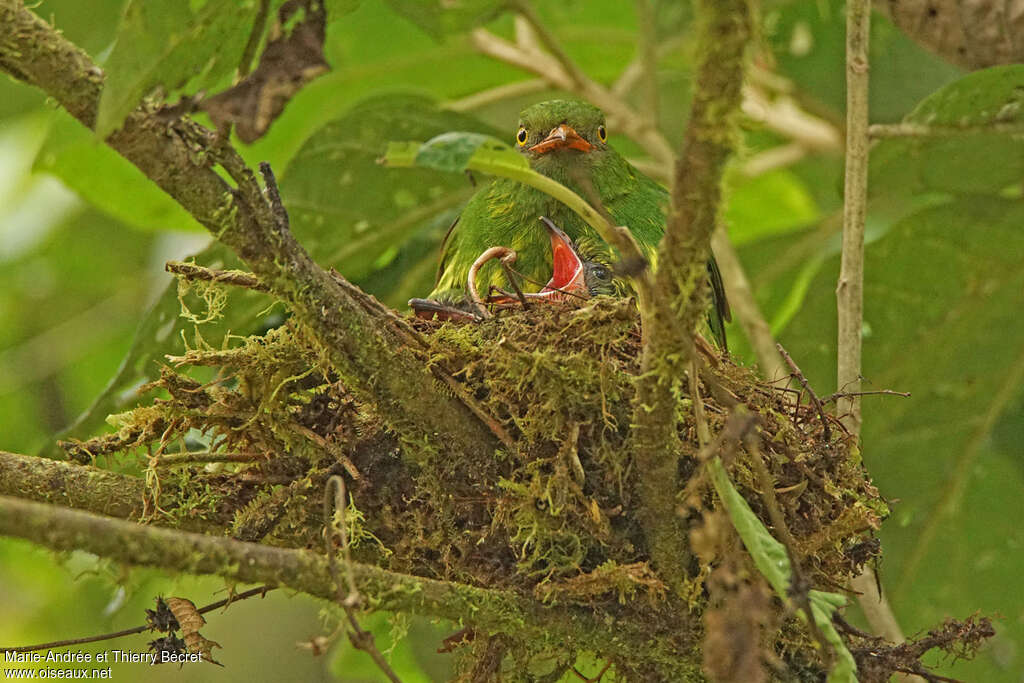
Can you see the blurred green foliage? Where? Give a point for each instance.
(82, 291)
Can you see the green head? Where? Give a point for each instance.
(560, 128)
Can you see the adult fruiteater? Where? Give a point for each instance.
(567, 141)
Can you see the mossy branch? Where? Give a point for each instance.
(680, 287)
(99, 491)
(308, 572)
(76, 486)
(180, 157)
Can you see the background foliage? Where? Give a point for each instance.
(83, 296)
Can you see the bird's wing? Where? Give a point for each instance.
(443, 256)
(640, 204)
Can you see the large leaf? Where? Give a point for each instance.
(355, 214)
(373, 51)
(979, 142)
(943, 299)
(168, 44)
(62, 328)
(808, 40)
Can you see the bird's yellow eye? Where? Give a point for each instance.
(602, 133)
(521, 136)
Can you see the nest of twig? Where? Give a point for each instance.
(550, 514)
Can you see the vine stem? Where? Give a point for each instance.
(850, 288)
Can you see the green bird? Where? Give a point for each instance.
(573, 278)
(567, 141)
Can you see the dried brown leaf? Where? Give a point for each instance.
(292, 58)
(973, 34)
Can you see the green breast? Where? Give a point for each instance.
(507, 213)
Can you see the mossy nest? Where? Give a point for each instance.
(562, 381)
(551, 513)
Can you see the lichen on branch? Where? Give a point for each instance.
(680, 281)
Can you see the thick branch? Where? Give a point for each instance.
(681, 293)
(177, 157)
(308, 572)
(77, 486)
(91, 489)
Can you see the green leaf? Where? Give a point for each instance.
(770, 204)
(106, 180)
(943, 294)
(460, 151)
(440, 17)
(973, 156)
(809, 42)
(350, 211)
(772, 560)
(169, 44)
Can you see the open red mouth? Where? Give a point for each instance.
(567, 268)
(562, 137)
(567, 276)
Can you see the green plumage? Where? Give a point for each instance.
(506, 213)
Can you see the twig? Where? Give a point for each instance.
(261, 590)
(879, 392)
(331, 448)
(634, 71)
(575, 74)
(921, 130)
(678, 300)
(741, 299)
(703, 433)
(334, 521)
(850, 288)
(238, 278)
(595, 679)
(205, 457)
(773, 158)
(783, 116)
(258, 25)
(827, 433)
(510, 275)
(498, 94)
